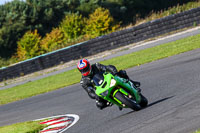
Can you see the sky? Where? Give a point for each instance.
(3, 1)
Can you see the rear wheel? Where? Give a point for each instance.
(127, 101)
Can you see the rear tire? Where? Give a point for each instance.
(127, 101)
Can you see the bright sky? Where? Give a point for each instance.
(3, 1)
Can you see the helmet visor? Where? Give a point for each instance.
(85, 70)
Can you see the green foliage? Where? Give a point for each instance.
(29, 45)
(12, 26)
(53, 40)
(128, 10)
(73, 26)
(4, 62)
(100, 22)
(172, 10)
(13, 12)
(72, 4)
(45, 14)
(86, 7)
(18, 17)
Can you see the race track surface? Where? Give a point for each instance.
(172, 86)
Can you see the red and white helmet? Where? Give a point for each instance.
(84, 67)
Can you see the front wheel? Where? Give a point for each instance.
(144, 101)
(127, 101)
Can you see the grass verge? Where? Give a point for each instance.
(123, 62)
(24, 127)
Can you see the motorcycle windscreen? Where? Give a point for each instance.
(98, 79)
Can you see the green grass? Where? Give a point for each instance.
(24, 127)
(155, 53)
(123, 62)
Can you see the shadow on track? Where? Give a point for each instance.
(149, 105)
(159, 101)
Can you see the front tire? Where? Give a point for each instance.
(127, 101)
(144, 101)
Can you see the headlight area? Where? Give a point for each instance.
(105, 93)
(112, 83)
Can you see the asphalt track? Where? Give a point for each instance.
(172, 86)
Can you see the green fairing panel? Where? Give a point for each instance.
(100, 89)
(134, 92)
(119, 82)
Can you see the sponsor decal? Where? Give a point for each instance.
(58, 124)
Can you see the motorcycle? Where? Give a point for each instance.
(118, 91)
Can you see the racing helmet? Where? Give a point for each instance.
(84, 67)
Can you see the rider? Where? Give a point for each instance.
(88, 71)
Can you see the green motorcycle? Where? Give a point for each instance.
(117, 90)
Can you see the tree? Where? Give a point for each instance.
(9, 35)
(73, 25)
(53, 40)
(86, 7)
(12, 26)
(29, 45)
(100, 22)
(18, 17)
